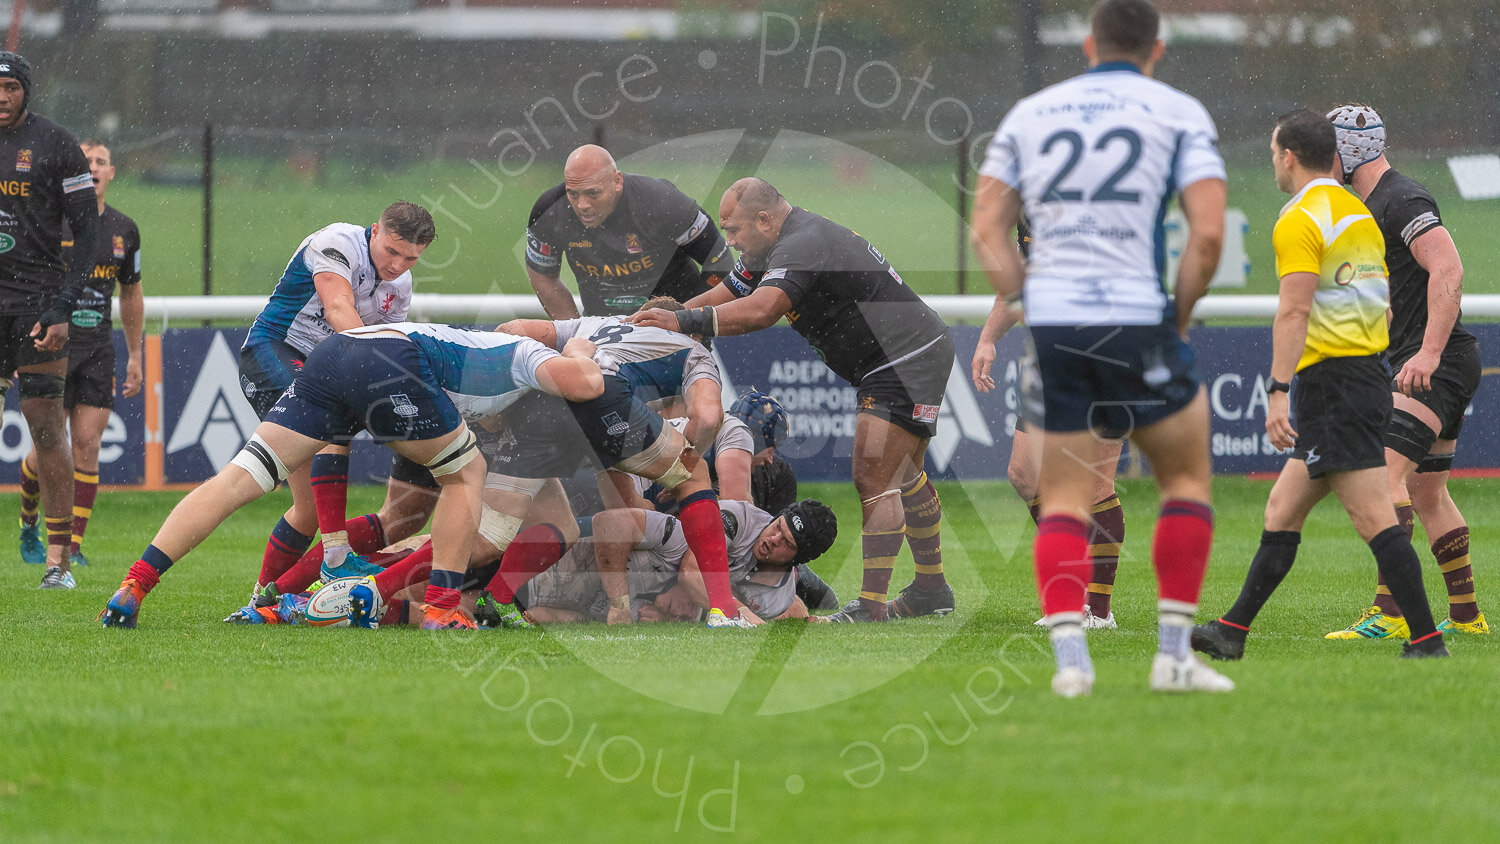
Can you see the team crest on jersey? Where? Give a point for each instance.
(614, 425)
(386, 301)
(23, 161)
(119, 247)
(633, 244)
(401, 405)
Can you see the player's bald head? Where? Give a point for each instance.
(589, 160)
(755, 195)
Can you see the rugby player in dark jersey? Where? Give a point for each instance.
(1436, 361)
(89, 395)
(841, 294)
(44, 181)
(626, 237)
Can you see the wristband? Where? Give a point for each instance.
(1274, 386)
(702, 322)
(55, 316)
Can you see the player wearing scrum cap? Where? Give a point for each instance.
(44, 181)
(642, 570)
(1436, 361)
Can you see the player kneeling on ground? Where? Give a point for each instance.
(403, 383)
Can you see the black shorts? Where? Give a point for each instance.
(266, 370)
(1340, 410)
(375, 384)
(1454, 383)
(1106, 378)
(909, 393)
(538, 438)
(91, 377)
(18, 347)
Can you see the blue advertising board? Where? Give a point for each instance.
(205, 419)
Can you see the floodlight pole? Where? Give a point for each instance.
(963, 215)
(13, 38)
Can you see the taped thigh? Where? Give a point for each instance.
(41, 385)
(1409, 436)
(261, 462)
(455, 455)
(669, 441)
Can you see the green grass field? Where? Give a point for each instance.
(934, 729)
(262, 212)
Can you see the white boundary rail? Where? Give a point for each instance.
(440, 307)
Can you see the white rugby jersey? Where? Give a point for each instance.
(657, 363)
(295, 313)
(1097, 159)
(483, 372)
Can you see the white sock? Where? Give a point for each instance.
(1069, 647)
(1174, 634)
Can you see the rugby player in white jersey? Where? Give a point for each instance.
(412, 387)
(1095, 160)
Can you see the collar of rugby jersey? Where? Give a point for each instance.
(1106, 67)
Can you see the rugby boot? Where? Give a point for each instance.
(717, 620)
(55, 578)
(1373, 624)
(33, 550)
(124, 607)
(854, 612)
(490, 613)
(1189, 674)
(915, 601)
(1218, 641)
(1477, 627)
(1432, 648)
(353, 566)
(438, 619)
(79, 559)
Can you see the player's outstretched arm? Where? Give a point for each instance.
(574, 375)
(540, 330)
(1203, 203)
(555, 297)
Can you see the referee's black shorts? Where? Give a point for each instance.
(1340, 410)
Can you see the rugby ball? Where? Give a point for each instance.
(329, 606)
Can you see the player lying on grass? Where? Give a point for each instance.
(637, 567)
(619, 431)
(409, 386)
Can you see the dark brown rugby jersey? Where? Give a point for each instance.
(44, 180)
(653, 244)
(1404, 211)
(847, 300)
(117, 258)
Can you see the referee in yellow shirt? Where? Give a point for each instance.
(1329, 331)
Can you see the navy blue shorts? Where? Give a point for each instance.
(378, 384)
(1107, 378)
(266, 370)
(617, 424)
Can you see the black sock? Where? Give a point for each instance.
(1273, 559)
(1398, 564)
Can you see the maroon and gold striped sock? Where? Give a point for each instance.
(1452, 553)
(59, 532)
(31, 494)
(1106, 535)
(879, 551)
(924, 515)
(1406, 516)
(85, 488)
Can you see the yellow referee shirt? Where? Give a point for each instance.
(1327, 231)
